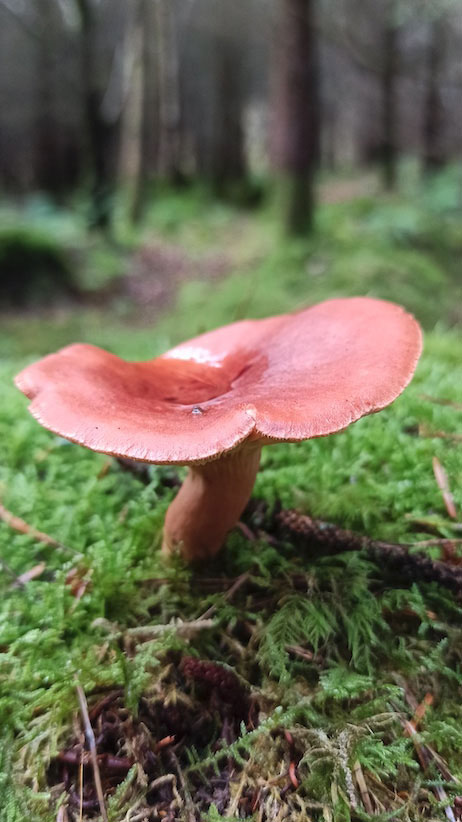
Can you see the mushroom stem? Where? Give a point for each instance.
(210, 502)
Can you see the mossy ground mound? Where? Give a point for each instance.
(285, 679)
(34, 268)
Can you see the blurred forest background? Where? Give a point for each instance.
(126, 120)
(168, 166)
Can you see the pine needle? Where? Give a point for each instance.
(92, 745)
(27, 576)
(361, 782)
(443, 484)
(20, 525)
(425, 431)
(441, 401)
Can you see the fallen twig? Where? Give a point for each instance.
(184, 629)
(441, 401)
(421, 710)
(433, 524)
(188, 802)
(425, 753)
(443, 484)
(90, 737)
(164, 743)
(81, 788)
(303, 653)
(228, 595)
(18, 524)
(103, 703)
(293, 775)
(315, 533)
(146, 632)
(107, 761)
(361, 782)
(27, 576)
(425, 431)
(424, 756)
(62, 814)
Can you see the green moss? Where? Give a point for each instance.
(33, 267)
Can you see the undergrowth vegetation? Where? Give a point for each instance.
(287, 680)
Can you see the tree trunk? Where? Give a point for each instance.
(433, 157)
(47, 165)
(169, 86)
(149, 125)
(296, 112)
(103, 127)
(389, 76)
(228, 166)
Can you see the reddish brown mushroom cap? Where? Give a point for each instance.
(290, 377)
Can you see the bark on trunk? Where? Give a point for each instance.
(149, 125)
(103, 128)
(433, 157)
(48, 169)
(228, 160)
(389, 78)
(169, 83)
(296, 111)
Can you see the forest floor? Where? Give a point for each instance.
(280, 682)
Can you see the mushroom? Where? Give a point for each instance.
(211, 403)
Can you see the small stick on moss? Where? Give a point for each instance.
(429, 433)
(441, 401)
(443, 484)
(425, 755)
(164, 743)
(81, 787)
(18, 524)
(361, 782)
(433, 525)
(421, 710)
(62, 814)
(103, 703)
(188, 802)
(27, 576)
(315, 533)
(228, 595)
(90, 736)
(303, 653)
(184, 629)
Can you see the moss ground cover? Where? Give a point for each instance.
(286, 680)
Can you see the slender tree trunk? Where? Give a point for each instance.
(169, 85)
(228, 160)
(296, 112)
(389, 76)
(433, 109)
(149, 125)
(47, 165)
(103, 128)
(328, 152)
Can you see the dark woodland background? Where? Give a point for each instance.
(95, 94)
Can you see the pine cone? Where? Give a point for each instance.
(215, 676)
